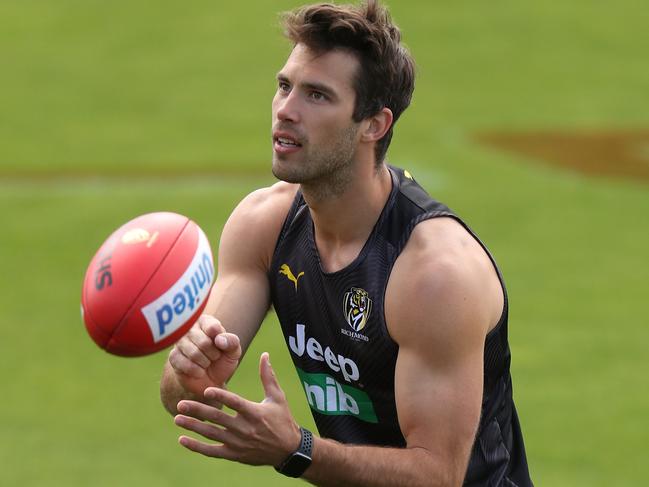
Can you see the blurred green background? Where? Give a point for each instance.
(112, 109)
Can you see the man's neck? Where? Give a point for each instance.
(344, 221)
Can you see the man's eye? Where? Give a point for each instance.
(284, 87)
(317, 96)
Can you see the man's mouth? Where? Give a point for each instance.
(286, 142)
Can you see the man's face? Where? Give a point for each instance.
(314, 136)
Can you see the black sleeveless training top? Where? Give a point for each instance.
(334, 326)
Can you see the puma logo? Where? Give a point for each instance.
(286, 270)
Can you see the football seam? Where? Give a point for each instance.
(146, 284)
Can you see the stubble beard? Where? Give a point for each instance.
(322, 171)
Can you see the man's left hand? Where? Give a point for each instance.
(259, 433)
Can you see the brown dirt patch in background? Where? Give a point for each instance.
(601, 153)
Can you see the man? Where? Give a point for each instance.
(394, 313)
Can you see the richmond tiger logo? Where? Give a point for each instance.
(357, 306)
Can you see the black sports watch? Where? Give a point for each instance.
(298, 461)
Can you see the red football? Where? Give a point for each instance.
(147, 284)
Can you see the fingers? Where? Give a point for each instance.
(212, 424)
(272, 389)
(183, 365)
(188, 347)
(210, 326)
(209, 431)
(196, 350)
(204, 412)
(209, 450)
(230, 399)
(229, 345)
(205, 343)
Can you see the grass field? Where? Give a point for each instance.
(113, 109)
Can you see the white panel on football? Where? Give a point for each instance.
(173, 308)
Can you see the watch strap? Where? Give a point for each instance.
(298, 461)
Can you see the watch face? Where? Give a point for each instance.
(297, 464)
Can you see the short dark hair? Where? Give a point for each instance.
(386, 77)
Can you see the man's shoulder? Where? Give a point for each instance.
(442, 243)
(445, 274)
(265, 206)
(254, 225)
(275, 198)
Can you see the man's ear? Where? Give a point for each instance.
(377, 125)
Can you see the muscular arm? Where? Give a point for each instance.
(442, 299)
(238, 302)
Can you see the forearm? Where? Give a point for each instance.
(335, 464)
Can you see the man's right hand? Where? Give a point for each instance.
(206, 356)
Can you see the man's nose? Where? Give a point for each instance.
(287, 107)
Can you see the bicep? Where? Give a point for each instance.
(438, 401)
(240, 297)
(438, 392)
